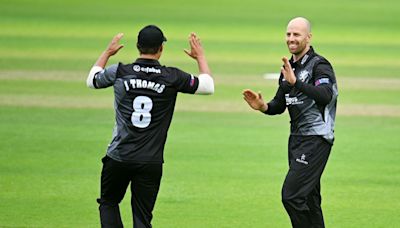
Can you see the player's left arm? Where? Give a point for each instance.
(321, 90)
(98, 76)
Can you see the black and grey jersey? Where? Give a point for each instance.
(145, 94)
(312, 100)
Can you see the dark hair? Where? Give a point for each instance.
(148, 50)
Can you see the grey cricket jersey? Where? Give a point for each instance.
(312, 100)
(145, 94)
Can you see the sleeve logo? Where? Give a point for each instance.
(322, 81)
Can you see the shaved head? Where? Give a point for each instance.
(301, 22)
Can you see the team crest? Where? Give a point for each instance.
(303, 75)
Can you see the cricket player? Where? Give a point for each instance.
(145, 93)
(307, 88)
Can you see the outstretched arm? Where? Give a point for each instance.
(206, 82)
(255, 100)
(274, 107)
(101, 62)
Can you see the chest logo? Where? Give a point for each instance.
(303, 75)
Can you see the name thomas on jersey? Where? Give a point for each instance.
(136, 83)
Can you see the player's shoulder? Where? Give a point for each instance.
(174, 72)
(324, 68)
(113, 66)
(172, 69)
(123, 69)
(321, 64)
(124, 65)
(321, 59)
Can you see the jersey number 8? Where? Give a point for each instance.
(141, 116)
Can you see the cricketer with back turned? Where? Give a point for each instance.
(145, 94)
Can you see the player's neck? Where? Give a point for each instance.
(300, 55)
(150, 56)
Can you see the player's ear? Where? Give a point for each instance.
(139, 49)
(161, 48)
(309, 36)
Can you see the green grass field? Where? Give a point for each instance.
(224, 163)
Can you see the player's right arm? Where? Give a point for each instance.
(206, 82)
(98, 76)
(276, 106)
(255, 100)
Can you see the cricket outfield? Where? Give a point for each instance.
(225, 164)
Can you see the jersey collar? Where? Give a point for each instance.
(304, 60)
(151, 62)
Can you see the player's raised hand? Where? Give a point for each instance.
(254, 100)
(114, 45)
(287, 71)
(196, 50)
(111, 50)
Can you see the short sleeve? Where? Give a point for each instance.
(186, 83)
(106, 77)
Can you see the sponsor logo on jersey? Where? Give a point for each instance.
(292, 100)
(302, 159)
(138, 68)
